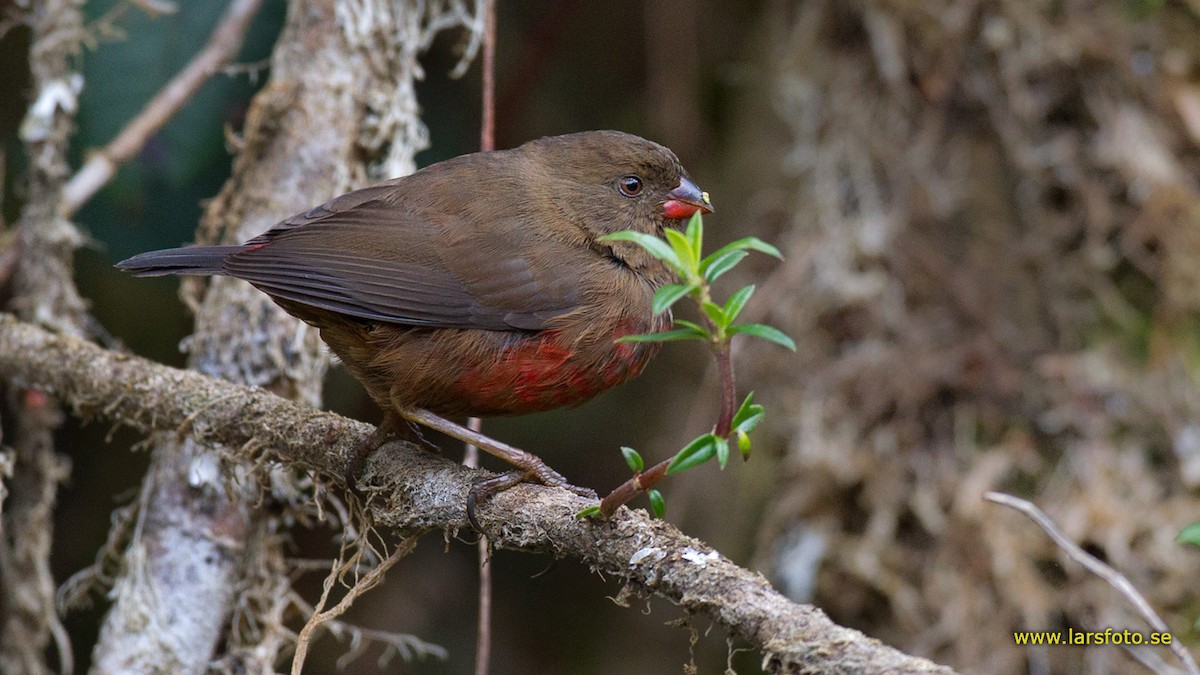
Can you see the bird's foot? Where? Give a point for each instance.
(530, 467)
(389, 429)
(536, 472)
(485, 488)
(411, 431)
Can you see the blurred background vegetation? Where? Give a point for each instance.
(991, 213)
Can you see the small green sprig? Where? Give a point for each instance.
(1189, 535)
(681, 251)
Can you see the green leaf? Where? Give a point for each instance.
(665, 336)
(658, 505)
(653, 245)
(756, 415)
(756, 244)
(683, 249)
(743, 411)
(695, 235)
(633, 459)
(712, 268)
(589, 512)
(737, 301)
(722, 450)
(768, 333)
(667, 295)
(693, 454)
(1190, 535)
(695, 328)
(746, 418)
(715, 312)
(744, 443)
(747, 244)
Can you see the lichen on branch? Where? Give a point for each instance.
(416, 489)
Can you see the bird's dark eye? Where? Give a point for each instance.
(631, 186)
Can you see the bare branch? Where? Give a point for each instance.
(102, 164)
(487, 127)
(1094, 565)
(420, 490)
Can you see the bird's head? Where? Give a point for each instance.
(607, 181)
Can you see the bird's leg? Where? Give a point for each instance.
(529, 466)
(532, 467)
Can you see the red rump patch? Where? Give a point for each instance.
(541, 373)
(528, 376)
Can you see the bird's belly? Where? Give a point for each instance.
(547, 371)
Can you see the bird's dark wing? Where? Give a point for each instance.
(367, 255)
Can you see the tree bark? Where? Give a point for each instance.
(42, 291)
(417, 490)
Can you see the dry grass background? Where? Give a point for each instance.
(992, 220)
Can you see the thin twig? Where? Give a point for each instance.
(487, 143)
(101, 165)
(1093, 564)
(366, 582)
(483, 634)
(627, 491)
(643, 481)
(487, 133)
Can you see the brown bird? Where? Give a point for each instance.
(478, 285)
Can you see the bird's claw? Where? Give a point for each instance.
(486, 488)
(358, 461)
(391, 428)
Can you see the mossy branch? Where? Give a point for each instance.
(417, 489)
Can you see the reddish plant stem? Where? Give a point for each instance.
(724, 359)
(643, 481)
(639, 483)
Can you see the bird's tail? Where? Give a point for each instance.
(190, 260)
